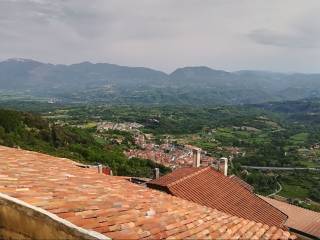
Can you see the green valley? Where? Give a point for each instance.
(254, 135)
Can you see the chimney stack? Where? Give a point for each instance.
(196, 157)
(100, 168)
(224, 160)
(156, 173)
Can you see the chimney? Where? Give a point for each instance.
(224, 162)
(156, 173)
(196, 157)
(106, 170)
(100, 168)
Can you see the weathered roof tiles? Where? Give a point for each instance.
(113, 206)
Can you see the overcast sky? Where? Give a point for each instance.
(277, 35)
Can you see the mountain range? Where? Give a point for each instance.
(110, 83)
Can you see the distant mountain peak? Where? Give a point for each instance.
(198, 71)
(21, 60)
(82, 63)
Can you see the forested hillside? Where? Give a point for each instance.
(305, 112)
(32, 132)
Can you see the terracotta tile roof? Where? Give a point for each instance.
(211, 188)
(299, 218)
(113, 206)
(242, 183)
(178, 174)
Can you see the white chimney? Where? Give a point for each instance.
(196, 157)
(100, 168)
(225, 165)
(156, 173)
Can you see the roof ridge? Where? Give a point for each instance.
(188, 176)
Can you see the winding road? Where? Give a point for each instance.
(277, 191)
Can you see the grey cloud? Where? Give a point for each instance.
(82, 19)
(303, 31)
(290, 40)
(164, 34)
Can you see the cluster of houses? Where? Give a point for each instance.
(315, 146)
(125, 126)
(170, 155)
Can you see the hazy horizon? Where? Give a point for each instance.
(157, 69)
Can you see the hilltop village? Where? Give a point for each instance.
(170, 154)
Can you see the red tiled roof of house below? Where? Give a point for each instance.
(113, 206)
(242, 183)
(300, 219)
(211, 188)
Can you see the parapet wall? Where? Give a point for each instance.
(19, 220)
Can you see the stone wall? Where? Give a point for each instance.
(19, 220)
